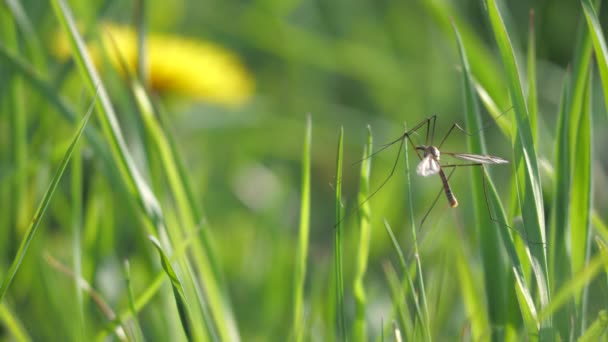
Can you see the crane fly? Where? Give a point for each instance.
(430, 160)
(429, 165)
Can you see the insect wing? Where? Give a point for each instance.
(478, 158)
(427, 166)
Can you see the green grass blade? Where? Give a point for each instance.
(529, 186)
(424, 314)
(597, 328)
(399, 304)
(137, 332)
(77, 219)
(136, 185)
(46, 199)
(182, 303)
(472, 296)
(365, 230)
(580, 196)
(574, 286)
(532, 88)
(12, 324)
(190, 218)
(599, 44)
(493, 263)
(338, 241)
(303, 237)
(420, 316)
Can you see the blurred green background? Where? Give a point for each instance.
(349, 63)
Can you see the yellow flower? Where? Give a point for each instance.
(202, 70)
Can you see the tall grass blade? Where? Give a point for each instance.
(423, 315)
(581, 191)
(529, 186)
(189, 215)
(338, 242)
(46, 199)
(365, 230)
(496, 287)
(532, 88)
(599, 44)
(303, 237)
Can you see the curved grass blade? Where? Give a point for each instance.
(338, 242)
(599, 44)
(178, 291)
(46, 199)
(359, 327)
(303, 237)
(528, 180)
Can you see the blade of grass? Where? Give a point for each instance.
(494, 265)
(599, 44)
(597, 329)
(136, 185)
(532, 91)
(576, 284)
(46, 199)
(189, 216)
(183, 307)
(338, 242)
(76, 211)
(303, 237)
(580, 196)
(473, 297)
(420, 316)
(398, 296)
(18, 127)
(424, 315)
(137, 332)
(359, 326)
(529, 188)
(13, 325)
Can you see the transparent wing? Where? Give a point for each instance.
(427, 166)
(478, 158)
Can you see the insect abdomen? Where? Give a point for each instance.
(448, 191)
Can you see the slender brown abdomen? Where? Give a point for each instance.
(448, 191)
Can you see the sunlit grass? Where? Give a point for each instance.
(237, 217)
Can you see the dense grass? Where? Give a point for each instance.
(175, 218)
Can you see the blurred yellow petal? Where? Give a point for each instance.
(188, 67)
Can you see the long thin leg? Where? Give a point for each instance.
(402, 137)
(441, 191)
(485, 194)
